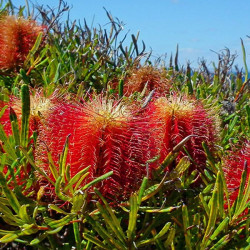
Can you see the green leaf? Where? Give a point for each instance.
(28, 229)
(181, 167)
(77, 235)
(145, 242)
(132, 217)
(79, 182)
(120, 86)
(55, 231)
(191, 178)
(54, 224)
(3, 110)
(158, 210)
(39, 239)
(163, 231)
(24, 76)
(7, 212)
(170, 238)
(179, 170)
(8, 149)
(4, 201)
(232, 124)
(218, 230)
(244, 60)
(107, 237)
(57, 209)
(76, 178)
(58, 187)
(208, 175)
(25, 96)
(9, 194)
(225, 190)
(221, 243)
(210, 158)
(220, 195)
(52, 166)
(150, 190)
(248, 115)
(98, 179)
(15, 130)
(2, 161)
(94, 240)
(63, 159)
(34, 48)
(185, 219)
(67, 173)
(94, 68)
(32, 163)
(167, 161)
(9, 238)
(208, 188)
(114, 220)
(212, 215)
(142, 189)
(4, 232)
(10, 221)
(78, 200)
(24, 215)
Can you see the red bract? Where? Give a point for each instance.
(17, 37)
(105, 135)
(234, 165)
(177, 118)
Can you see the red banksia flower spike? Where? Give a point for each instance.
(146, 78)
(119, 148)
(179, 117)
(104, 135)
(17, 37)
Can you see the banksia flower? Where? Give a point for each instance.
(104, 134)
(234, 165)
(17, 37)
(147, 77)
(39, 108)
(177, 118)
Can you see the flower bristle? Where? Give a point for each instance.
(179, 117)
(147, 75)
(233, 167)
(17, 37)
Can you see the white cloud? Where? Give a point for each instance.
(189, 50)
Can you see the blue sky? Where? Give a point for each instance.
(198, 26)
